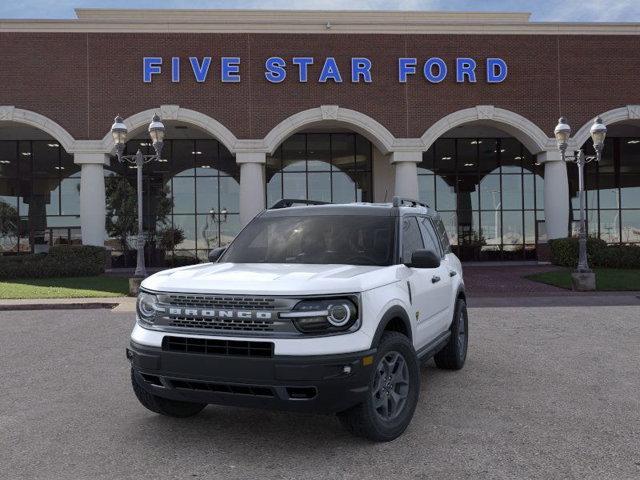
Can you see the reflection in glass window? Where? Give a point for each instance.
(39, 196)
(191, 201)
(612, 191)
(489, 192)
(328, 167)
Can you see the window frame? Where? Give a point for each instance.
(426, 223)
(401, 219)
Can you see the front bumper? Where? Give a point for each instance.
(319, 383)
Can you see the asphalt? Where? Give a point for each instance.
(547, 392)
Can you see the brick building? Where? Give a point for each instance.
(457, 109)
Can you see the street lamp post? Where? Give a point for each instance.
(156, 132)
(583, 278)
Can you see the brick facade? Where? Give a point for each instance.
(81, 80)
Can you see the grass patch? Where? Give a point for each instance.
(607, 279)
(72, 287)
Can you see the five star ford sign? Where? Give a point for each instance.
(361, 69)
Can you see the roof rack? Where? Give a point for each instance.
(401, 201)
(290, 202)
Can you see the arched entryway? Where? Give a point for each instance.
(482, 175)
(328, 154)
(612, 185)
(191, 198)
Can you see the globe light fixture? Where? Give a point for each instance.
(119, 133)
(562, 133)
(598, 133)
(156, 132)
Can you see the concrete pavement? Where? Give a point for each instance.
(547, 393)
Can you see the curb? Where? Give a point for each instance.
(57, 306)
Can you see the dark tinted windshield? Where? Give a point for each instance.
(323, 239)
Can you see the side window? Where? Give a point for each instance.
(411, 238)
(430, 239)
(442, 234)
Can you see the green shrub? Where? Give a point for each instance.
(180, 261)
(564, 252)
(61, 261)
(620, 256)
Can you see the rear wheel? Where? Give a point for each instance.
(454, 354)
(164, 406)
(393, 392)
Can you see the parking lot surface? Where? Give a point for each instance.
(550, 392)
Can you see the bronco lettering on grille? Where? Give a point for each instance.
(210, 313)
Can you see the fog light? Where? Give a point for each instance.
(368, 360)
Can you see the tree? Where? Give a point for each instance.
(9, 223)
(122, 210)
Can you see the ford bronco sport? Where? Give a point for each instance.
(312, 308)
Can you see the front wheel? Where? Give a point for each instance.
(393, 392)
(454, 353)
(164, 406)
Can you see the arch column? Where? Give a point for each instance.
(92, 197)
(405, 164)
(252, 184)
(556, 194)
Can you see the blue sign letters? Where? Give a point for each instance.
(434, 69)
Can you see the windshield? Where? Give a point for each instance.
(321, 239)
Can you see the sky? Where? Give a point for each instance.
(542, 10)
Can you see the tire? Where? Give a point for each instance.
(454, 353)
(368, 419)
(164, 406)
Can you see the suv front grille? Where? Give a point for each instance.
(208, 346)
(220, 301)
(225, 314)
(221, 324)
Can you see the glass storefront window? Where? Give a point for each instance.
(39, 195)
(193, 191)
(612, 191)
(329, 167)
(490, 192)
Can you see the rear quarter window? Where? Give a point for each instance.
(442, 234)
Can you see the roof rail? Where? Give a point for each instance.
(400, 201)
(290, 202)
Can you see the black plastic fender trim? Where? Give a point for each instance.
(394, 312)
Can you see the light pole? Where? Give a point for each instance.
(598, 133)
(156, 132)
(217, 219)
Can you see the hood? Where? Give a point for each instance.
(271, 278)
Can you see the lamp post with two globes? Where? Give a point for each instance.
(156, 132)
(583, 278)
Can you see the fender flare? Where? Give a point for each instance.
(394, 312)
(461, 293)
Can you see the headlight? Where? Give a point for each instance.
(330, 315)
(146, 307)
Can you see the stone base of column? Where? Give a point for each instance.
(583, 281)
(134, 286)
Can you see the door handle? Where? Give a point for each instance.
(453, 273)
(435, 279)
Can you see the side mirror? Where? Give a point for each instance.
(424, 259)
(216, 253)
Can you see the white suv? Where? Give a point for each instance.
(314, 308)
